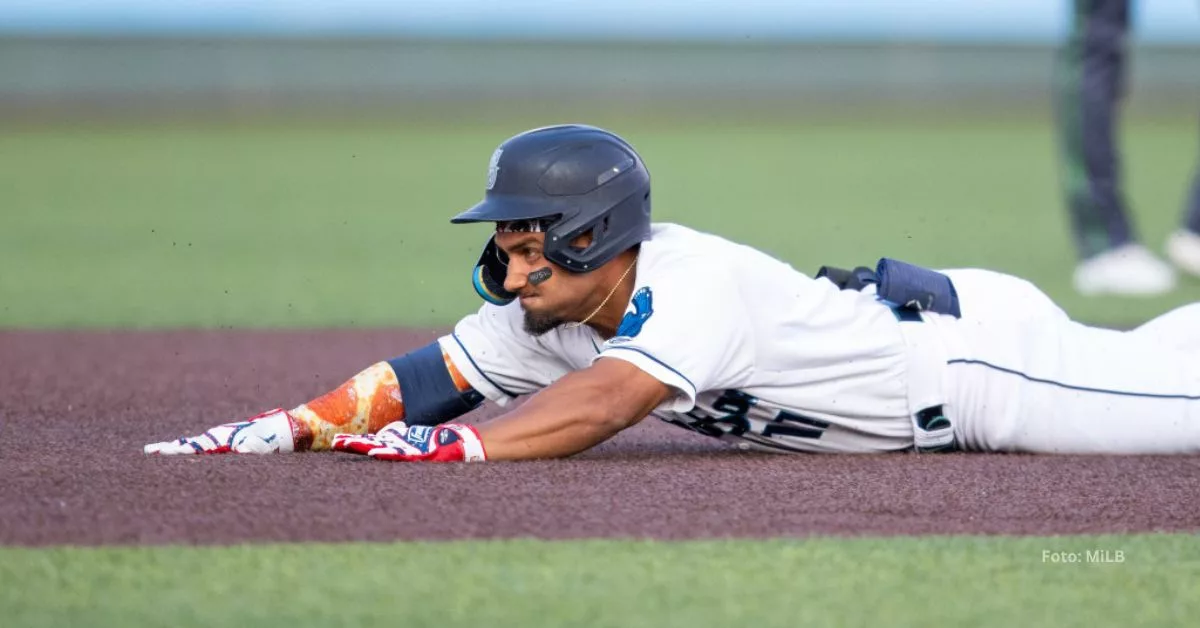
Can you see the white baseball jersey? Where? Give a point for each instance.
(755, 351)
(764, 356)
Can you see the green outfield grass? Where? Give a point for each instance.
(943, 581)
(315, 224)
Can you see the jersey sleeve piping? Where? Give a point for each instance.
(481, 372)
(656, 368)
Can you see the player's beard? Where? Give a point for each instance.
(537, 324)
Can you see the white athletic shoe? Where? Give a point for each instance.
(1129, 270)
(1183, 249)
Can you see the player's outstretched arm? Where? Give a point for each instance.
(363, 404)
(576, 413)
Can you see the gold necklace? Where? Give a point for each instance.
(605, 301)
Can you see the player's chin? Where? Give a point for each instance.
(537, 323)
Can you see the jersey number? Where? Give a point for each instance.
(736, 405)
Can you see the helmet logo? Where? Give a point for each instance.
(494, 168)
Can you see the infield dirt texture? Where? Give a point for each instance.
(77, 407)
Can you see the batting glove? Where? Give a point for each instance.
(449, 442)
(270, 432)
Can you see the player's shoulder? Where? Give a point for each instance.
(675, 249)
(677, 238)
(671, 244)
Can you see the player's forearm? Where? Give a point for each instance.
(574, 415)
(364, 403)
(542, 432)
(372, 399)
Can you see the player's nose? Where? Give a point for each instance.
(516, 278)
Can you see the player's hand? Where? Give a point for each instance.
(268, 433)
(448, 442)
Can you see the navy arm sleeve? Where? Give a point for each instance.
(428, 390)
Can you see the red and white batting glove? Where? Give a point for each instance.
(448, 442)
(270, 432)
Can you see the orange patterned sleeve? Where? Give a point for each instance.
(362, 405)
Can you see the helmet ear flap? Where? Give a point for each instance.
(488, 276)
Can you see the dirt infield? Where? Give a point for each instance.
(76, 408)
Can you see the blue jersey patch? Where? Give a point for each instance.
(643, 308)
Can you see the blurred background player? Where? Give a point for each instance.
(1090, 83)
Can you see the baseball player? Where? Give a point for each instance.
(606, 318)
(1090, 82)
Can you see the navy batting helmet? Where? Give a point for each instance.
(576, 180)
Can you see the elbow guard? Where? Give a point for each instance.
(428, 390)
